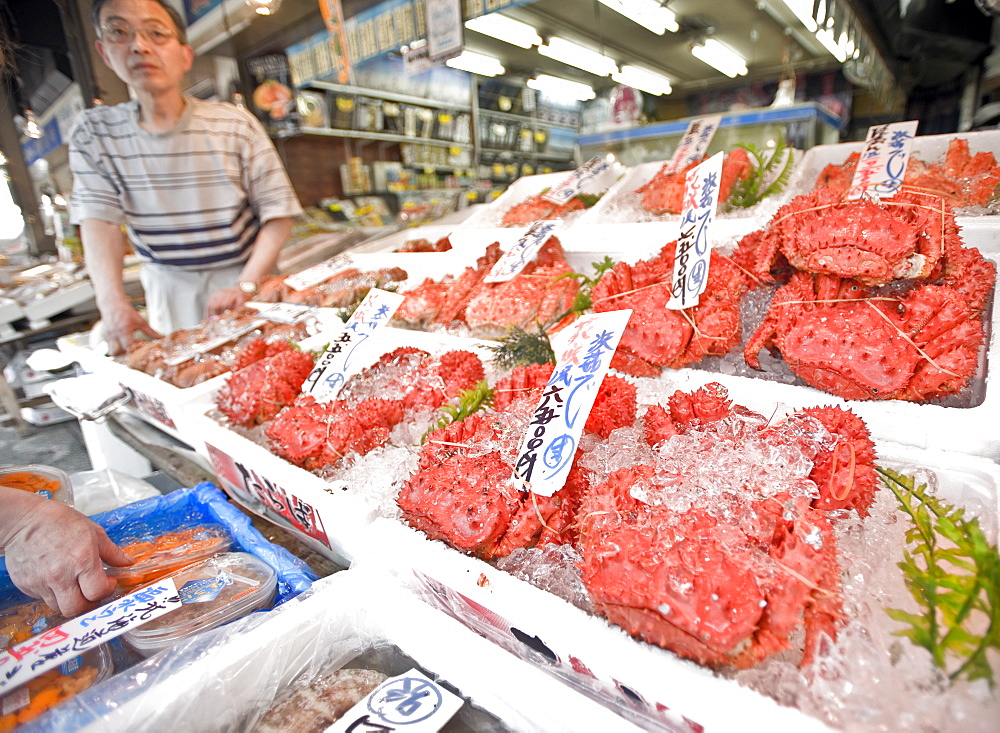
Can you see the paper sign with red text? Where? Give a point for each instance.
(694, 143)
(694, 247)
(882, 164)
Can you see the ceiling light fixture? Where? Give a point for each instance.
(802, 9)
(647, 13)
(505, 29)
(841, 50)
(31, 128)
(264, 7)
(476, 63)
(558, 88)
(643, 80)
(720, 57)
(579, 56)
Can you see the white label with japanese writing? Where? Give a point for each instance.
(882, 164)
(290, 313)
(412, 702)
(318, 273)
(583, 355)
(597, 174)
(444, 28)
(417, 60)
(694, 143)
(51, 648)
(205, 346)
(694, 247)
(517, 257)
(339, 360)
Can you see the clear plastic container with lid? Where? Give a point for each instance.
(45, 481)
(214, 592)
(159, 554)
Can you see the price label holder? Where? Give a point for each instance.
(583, 355)
(694, 247)
(29, 659)
(694, 142)
(339, 360)
(882, 164)
(290, 313)
(411, 702)
(318, 273)
(517, 257)
(223, 338)
(597, 174)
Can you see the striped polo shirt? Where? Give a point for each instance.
(193, 197)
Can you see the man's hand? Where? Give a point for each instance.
(55, 553)
(225, 300)
(120, 322)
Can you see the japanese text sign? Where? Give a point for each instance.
(317, 273)
(411, 702)
(224, 337)
(48, 650)
(882, 164)
(597, 174)
(290, 313)
(694, 247)
(517, 257)
(694, 143)
(583, 355)
(339, 360)
(444, 28)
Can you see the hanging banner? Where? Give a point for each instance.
(694, 247)
(882, 164)
(333, 18)
(694, 143)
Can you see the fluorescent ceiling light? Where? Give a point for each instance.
(642, 79)
(842, 50)
(720, 57)
(802, 9)
(579, 56)
(505, 29)
(647, 13)
(561, 88)
(476, 63)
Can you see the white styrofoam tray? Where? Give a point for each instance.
(602, 659)
(225, 678)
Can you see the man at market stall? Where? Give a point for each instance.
(198, 185)
(55, 553)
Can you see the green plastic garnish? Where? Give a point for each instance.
(772, 168)
(469, 401)
(520, 348)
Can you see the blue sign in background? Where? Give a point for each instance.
(194, 9)
(49, 141)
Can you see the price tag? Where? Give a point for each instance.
(594, 171)
(411, 701)
(883, 163)
(338, 361)
(41, 653)
(444, 28)
(417, 60)
(583, 355)
(517, 257)
(694, 143)
(205, 346)
(318, 273)
(694, 248)
(290, 313)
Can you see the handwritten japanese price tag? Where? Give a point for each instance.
(338, 361)
(694, 143)
(41, 653)
(882, 165)
(583, 352)
(411, 702)
(694, 248)
(517, 257)
(593, 172)
(223, 338)
(318, 273)
(287, 312)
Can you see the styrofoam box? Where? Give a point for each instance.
(982, 232)
(602, 659)
(212, 684)
(328, 514)
(10, 310)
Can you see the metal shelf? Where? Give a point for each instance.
(522, 154)
(523, 118)
(377, 136)
(388, 96)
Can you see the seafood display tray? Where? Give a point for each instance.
(390, 242)
(230, 676)
(601, 660)
(523, 188)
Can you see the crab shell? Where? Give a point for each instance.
(834, 338)
(658, 337)
(259, 391)
(664, 192)
(444, 301)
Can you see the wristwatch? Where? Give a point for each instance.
(248, 286)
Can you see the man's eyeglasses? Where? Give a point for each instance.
(124, 33)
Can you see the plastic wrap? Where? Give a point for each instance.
(226, 679)
(106, 489)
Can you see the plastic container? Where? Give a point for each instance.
(24, 703)
(214, 592)
(47, 481)
(160, 554)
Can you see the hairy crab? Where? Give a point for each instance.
(270, 380)
(664, 192)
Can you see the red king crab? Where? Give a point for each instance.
(537, 208)
(425, 245)
(258, 391)
(836, 337)
(664, 193)
(727, 581)
(462, 491)
(443, 301)
(315, 435)
(875, 242)
(340, 290)
(657, 337)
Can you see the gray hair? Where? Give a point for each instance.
(179, 25)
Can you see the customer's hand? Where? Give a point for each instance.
(55, 553)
